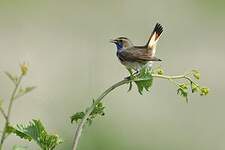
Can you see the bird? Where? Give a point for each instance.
(136, 57)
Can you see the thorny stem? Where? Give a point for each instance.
(99, 99)
(7, 116)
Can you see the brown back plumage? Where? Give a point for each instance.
(138, 54)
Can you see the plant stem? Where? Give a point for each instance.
(3, 113)
(168, 77)
(90, 109)
(7, 116)
(99, 99)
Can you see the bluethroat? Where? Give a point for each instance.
(135, 57)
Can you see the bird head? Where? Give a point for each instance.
(122, 43)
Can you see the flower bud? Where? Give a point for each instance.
(24, 68)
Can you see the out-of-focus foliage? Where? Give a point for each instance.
(13, 78)
(35, 131)
(16, 147)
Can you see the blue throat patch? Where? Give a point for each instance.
(119, 46)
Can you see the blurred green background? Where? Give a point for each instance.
(66, 44)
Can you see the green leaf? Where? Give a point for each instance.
(144, 80)
(204, 91)
(89, 121)
(196, 74)
(10, 130)
(182, 91)
(194, 87)
(97, 111)
(35, 131)
(183, 86)
(11, 77)
(159, 71)
(77, 116)
(16, 147)
(29, 89)
(23, 91)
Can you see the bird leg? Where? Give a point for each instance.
(131, 74)
(130, 78)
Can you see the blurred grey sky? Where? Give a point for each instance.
(66, 44)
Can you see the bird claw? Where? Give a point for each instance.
(130, 87)
(131, 77)
(130, 83)
(136, 73)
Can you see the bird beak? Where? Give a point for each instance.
(113, 41)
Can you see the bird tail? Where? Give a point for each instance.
(156, 33)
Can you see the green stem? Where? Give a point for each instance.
(193, 82)
(3, 113)
(90, 109)
(99, 99)
(7, 117)
(169, 77)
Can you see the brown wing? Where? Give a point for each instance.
(137, 54)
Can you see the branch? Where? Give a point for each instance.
(7, 117)
(3, 113)
(85, 115)
(90, 109)
(16, 81)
